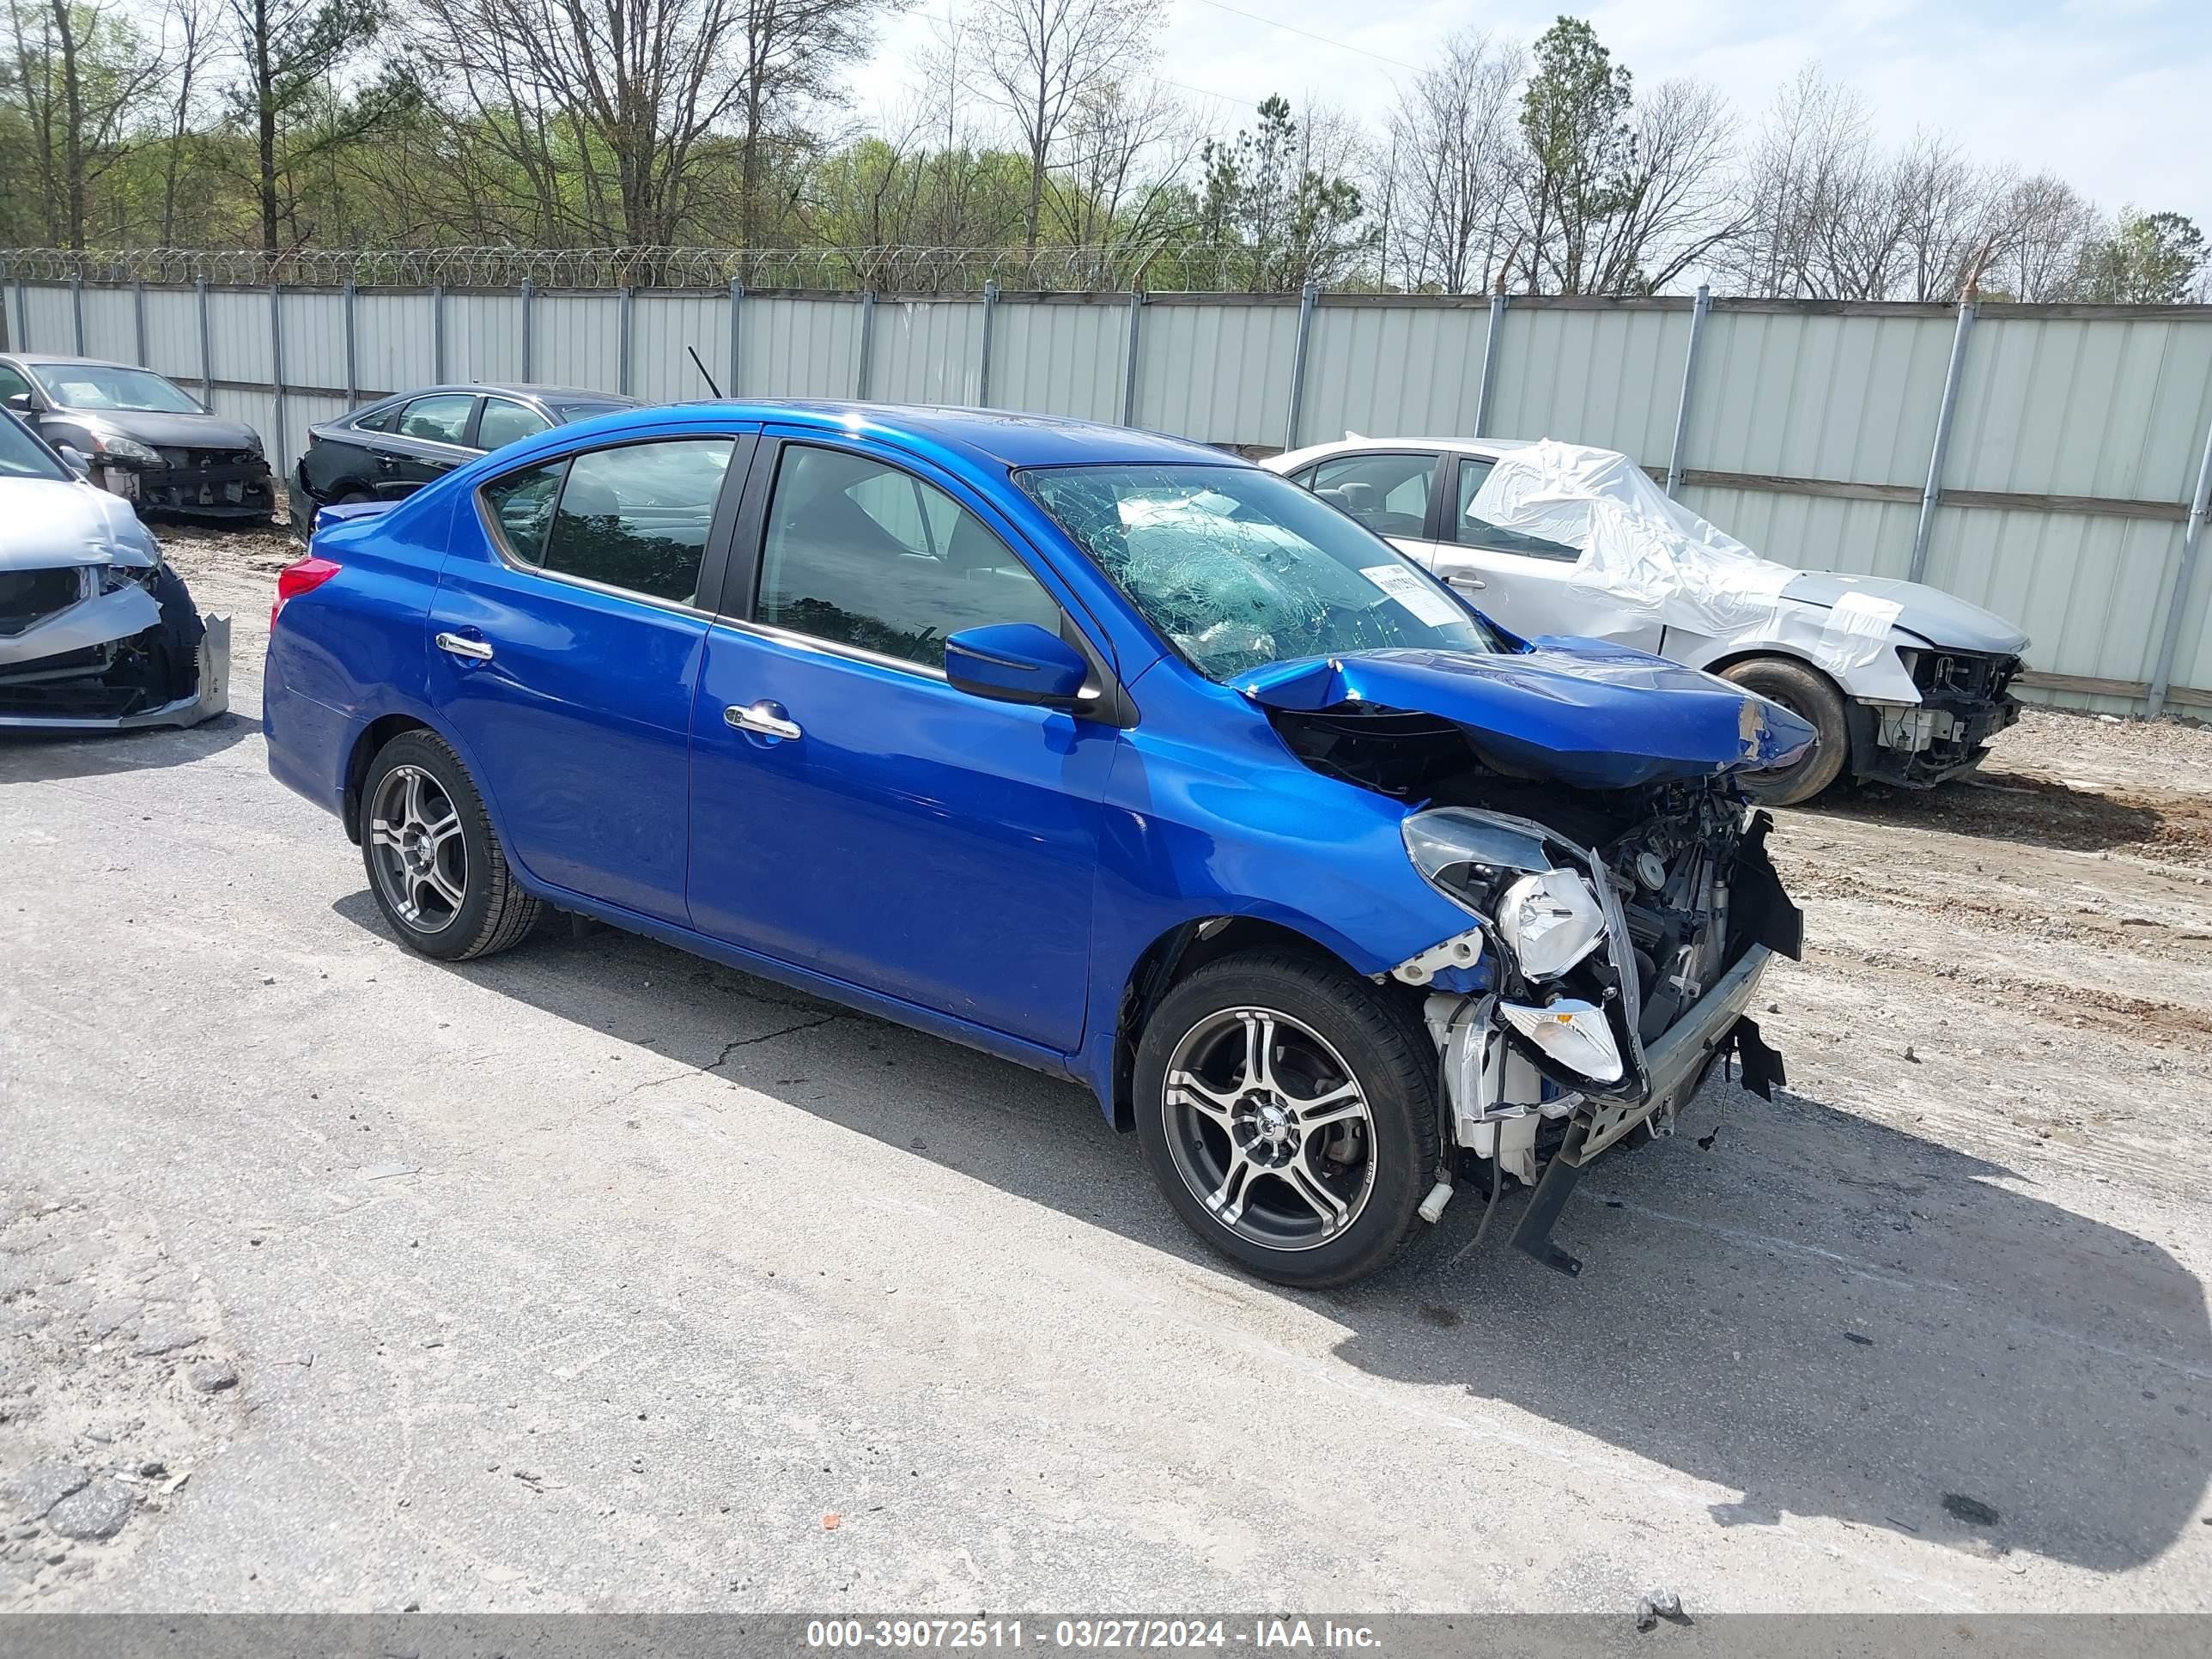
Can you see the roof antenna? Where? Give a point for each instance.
(703, 374)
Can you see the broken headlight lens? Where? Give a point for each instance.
(114, 446)
(1550, 921)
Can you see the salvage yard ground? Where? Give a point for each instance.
(596, 1276)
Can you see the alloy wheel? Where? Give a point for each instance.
(418, 849)
(1268, 1127)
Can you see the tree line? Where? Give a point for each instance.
(1031, 126)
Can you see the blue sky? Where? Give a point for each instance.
(2115, 97)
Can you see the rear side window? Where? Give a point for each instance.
(522, 505)
(440, 420)
(636, 517)
(869, 557)
(506, 422)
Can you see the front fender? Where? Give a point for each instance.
(1866, 667)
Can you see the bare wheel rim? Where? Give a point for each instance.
(416, 849)
(1269, 1128)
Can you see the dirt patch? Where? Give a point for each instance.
(2046, 811)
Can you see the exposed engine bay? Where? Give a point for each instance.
(1616, 938)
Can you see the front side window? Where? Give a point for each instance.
(505, 422)
(441, 419)
(12, 384)
(867, 556)
(1388, 493)
(1468, 530)
(102, 386)
(637, 517)
(1239, 567)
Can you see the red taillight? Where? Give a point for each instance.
(304, 573)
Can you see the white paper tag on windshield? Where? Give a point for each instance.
(1417, 596)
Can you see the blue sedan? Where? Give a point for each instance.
(1097, 750)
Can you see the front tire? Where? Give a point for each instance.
(434, 862)
(1288, 1111)
(1812, 697)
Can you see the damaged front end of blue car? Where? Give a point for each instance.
(1582, 803)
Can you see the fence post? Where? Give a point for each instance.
(983, 354)
(2192, 540)
(1703, 304)
(23, 314)
(1307, 295)
(529, 293)
(1490, 339)
(138, 320)
(868, 343)
(1129, 367)
(622, 362)
(352, 347)
(738, 315)
(207, 353)
(77, 310)
(438, 332)
(1933, 494)
(277, 367)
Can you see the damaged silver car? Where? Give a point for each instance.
(97, 633)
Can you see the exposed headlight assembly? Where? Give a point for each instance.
(1499, 869)
(1550, 921)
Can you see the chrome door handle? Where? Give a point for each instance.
(461, 645)
(762, 717)
(1468, 582)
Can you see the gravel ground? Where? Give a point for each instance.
(596, 1276)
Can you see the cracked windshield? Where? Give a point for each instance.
(1240, 568)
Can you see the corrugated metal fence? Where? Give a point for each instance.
(2040, 460)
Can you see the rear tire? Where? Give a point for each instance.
(1812, 697)
(1306, 1167)
(434, 862)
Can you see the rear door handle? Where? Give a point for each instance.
(762, 717)
(461, 646)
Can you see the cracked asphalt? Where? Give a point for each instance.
(595, 1276)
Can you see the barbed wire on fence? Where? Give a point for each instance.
(1115, 268)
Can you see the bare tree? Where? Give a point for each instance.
(185, 32)
(1445, 193)
(2050, 225)
(1039, 60)
(1802, 182)
(794, 54)
(1127, 147)
(1671, 205)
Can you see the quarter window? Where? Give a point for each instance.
(1388, 493)
(1471, 531)
(504, 423)
(377, 420)
(440, 420)
(522, 503)
(637, 517)
(869, 557)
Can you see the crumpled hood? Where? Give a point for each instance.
(44, 522)
(1936, 616)
(167, 431)
(1593, 715)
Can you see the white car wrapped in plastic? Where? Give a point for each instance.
(1905, 684)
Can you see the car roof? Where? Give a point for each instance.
(54, 360)
(544, 394)
(1456, 445)
(1006, 436)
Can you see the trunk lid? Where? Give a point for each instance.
(1593, 715)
